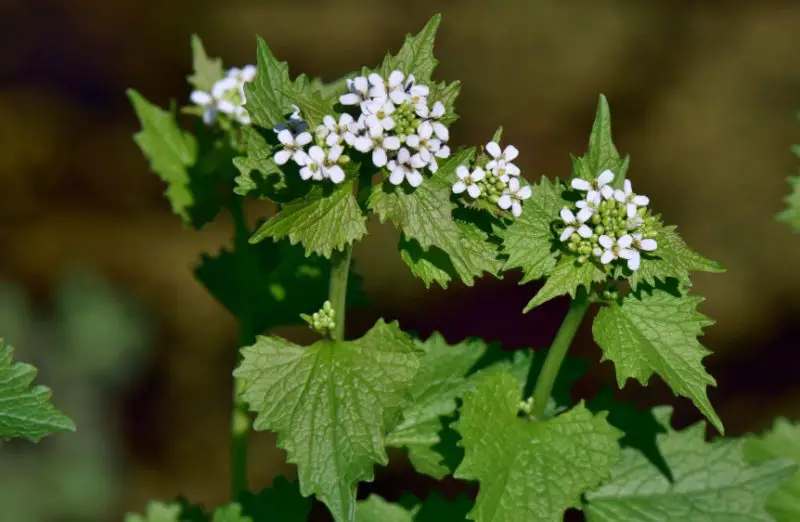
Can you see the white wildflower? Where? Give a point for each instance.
(619, 250)
(379, 112)
(513, 196)
(575, 223)
(292, 147)
(598, 187)
(406, 167)
(424, 142)
(359, 91)
(468, 181)
(632, 201)
(378, 143)
(500, 164)
(324, 165)
(436, 114)
(338, 131)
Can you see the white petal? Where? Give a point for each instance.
(334, 152)
(493, 165)
(627, 186)
(582, 204)
(584, 215)
(375, 79)
(412, 141)
(228, 107)
(375, 130)
(567, 215)
(493, 149)
(510, 153)
(585, 232)
(607, 257)
(414, 178)
(388, 123)
(433, 166)
(648, 245)
(329, 122)
(349, 99)
(524, 192)
(443, 152)
(361, 84)
(627, 253)
(421, 109)
(438, 110)
(478, 174)
(249, 73)
(282, 156)
(391, 142)
(512, 170)
(220, 87)
(302, 139)
(630, 210)
(459, 187)
(462, 172)
(363, 144)
(200, 97)
(607, 192)
(397, 177)
(605, 241)
(619, 196)
(580, 184)
(379, 157)
(635, 262)
(425, 130)
(442, 132)
(417, 161)
(209, 115)
(567, 233)
(301, 158)
(605, 178)
(306, 173)
(336, 174)
(504, 202)
(516, 209)
(474, 191)
(332, 139)
(396, 79)
(426, 156)
(285, 137)
(317, 154)
(513, 185)
(419, 90)
(625, 241)
(641, 201)
(403, 155)
(398, 96)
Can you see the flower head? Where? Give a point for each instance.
(468, 181)
(500, 164)
(632, 201)
(376, 141)
(576, 223)
(619, 249)
(596, 188)
(513, 197)
(292, 147)
(406, 168)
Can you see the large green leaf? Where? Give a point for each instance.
(781, 442)
(528, 470)
(567, 277)
(602, 153)
(331, 405)
(657, 333)
(26, 410)
(322, 222)
(266, 102)
(416, 55)
(711, 482)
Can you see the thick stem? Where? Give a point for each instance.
(240, 420)
(556, 354)
(340, 270)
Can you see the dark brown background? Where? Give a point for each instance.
(703, 97)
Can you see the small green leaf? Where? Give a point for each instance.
(266, 102)
(207, 71)
(376, 509)
(25, 410)
(441, 379)
(791, 214)
(157, 512)
(171, 151)
(434, 509)
(602, 153)
(673, 259)
(529, 470)
(567, 277)
(416, 55)
(712, 483)
(331, 405)
(281, 501)
(313, 107)
(781, 442)
(447, 94)
(529, 240)
(657, 333)
(230, 513)
(321, 222)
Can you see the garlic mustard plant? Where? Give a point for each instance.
(378, 142)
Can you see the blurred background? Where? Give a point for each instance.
(97, 271)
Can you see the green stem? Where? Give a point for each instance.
(556, 354)
(240, 419)
(340, 270)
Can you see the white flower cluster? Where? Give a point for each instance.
(226, 96)
(618, 218)
(394, 124)
(501, 186)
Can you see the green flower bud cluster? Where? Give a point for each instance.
(492, 187)
(406, 120)
(323, 321)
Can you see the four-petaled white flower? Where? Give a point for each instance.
(226, 96)
(598, 187)
(379, 112)
(359, 91)
(500, 164)
(424, 142)
(592, 201)
(621, 248)
(468, 181)
(378, 143)
(208, 103)
(643, 244)
(575, 223)
(322, 165)
(632, 201)
(405, 167)
(292, 147)
(436, 114)
(513, 196)
(338, 131)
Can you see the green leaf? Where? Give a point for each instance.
(207, 71)
(436, 246)
(447, 94)
(280, 502)
(313, 106)
(270, 283)
(157, 512)
(782, 442)
(441, 379)
(171, 151)
(321, 222)
(416, 55)
(331, 405)
(376, 509)
(567, 277)
(791, 214)
(602, 153)
(657, 333)
(712, 483)
(266, 102)
(529, 240)
(230, 513)
(259, 160)
(25, 410)
(532, 471)
(674, 259)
